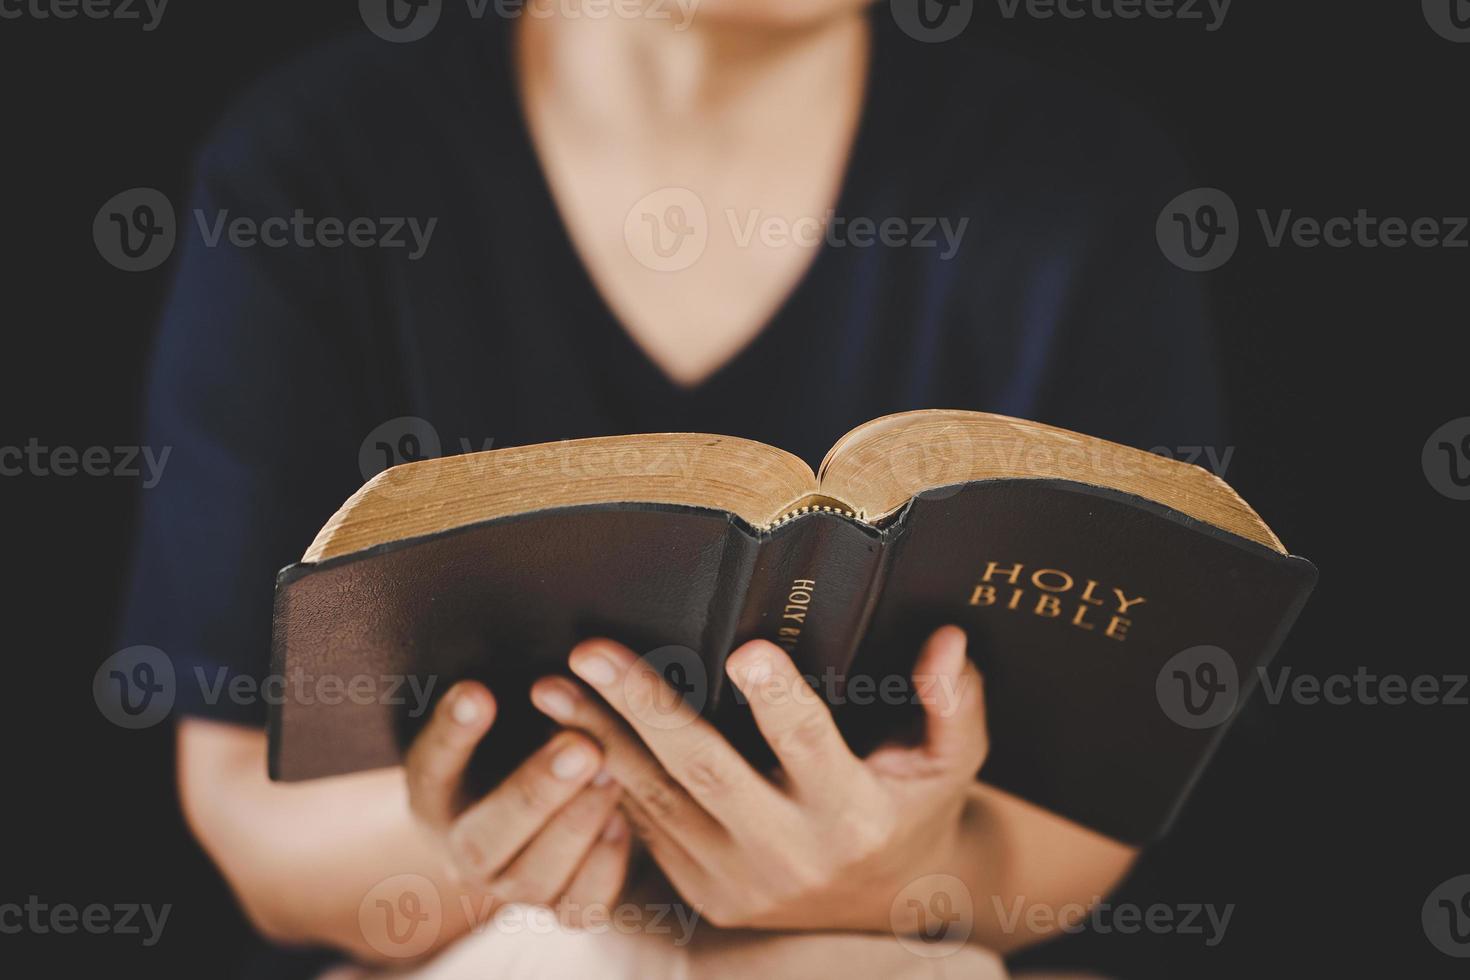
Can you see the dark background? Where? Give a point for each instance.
(1326, 826)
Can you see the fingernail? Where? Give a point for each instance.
(756, 671)
(602, 778)
(952, 660)
(570, 763)
(616, 827)
(555, 701)
(465, 710)
(596, 669)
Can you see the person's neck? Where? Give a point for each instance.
(637, 76)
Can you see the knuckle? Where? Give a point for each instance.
(641, 824)
(585, 818)
(806, 737)
(658, 797)
(533, 791)
(861, 835)
(706, 773)
(508, 889)
(468, 855)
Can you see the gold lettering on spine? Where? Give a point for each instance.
(793, 614)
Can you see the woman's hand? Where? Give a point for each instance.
(549, 834)
(834, 838)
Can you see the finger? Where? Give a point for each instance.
(796, 723)
(599, 881)
(540, 873)
(952, 693)
(687, 746)
(487, 835)
(435, 763)
(686, 873)
(629, 762)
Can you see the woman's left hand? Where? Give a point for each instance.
(831, 839)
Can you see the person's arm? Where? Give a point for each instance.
(310, 862)
(834, 842)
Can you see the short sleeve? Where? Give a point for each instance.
(249, 395)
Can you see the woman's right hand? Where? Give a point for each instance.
(550, 834)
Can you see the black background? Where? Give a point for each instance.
(1326, 826)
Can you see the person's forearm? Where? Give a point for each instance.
(303, 858)
(1028, 872)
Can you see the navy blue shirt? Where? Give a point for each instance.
(274, 364)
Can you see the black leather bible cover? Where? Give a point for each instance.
(1117, 637)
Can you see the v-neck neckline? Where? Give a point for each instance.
(605, 329)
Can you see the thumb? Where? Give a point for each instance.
(952, 693)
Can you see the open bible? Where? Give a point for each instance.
(1117, 602)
